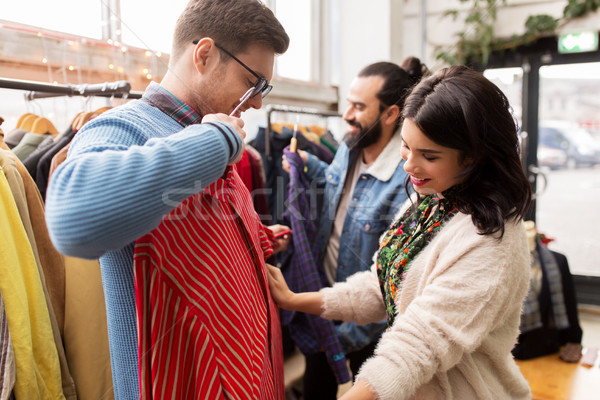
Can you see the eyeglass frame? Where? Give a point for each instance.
(262, 85)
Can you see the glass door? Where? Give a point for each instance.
(569, 157)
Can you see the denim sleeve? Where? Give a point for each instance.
(112, 189)
(315, 168)
(354, 337)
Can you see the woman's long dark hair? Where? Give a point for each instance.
(459, 108)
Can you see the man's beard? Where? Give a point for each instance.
(364, 137)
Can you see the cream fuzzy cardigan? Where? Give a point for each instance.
(458, 317)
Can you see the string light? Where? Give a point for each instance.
(71, 68)
(149, 76)
(158, 54)
(148, 53)
(44, 60)
(120, 69)
(146, 70)
(111, 66)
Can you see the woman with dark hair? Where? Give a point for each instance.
(453, 268)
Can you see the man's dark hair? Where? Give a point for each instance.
(396, 83)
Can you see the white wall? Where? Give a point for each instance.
(364, 38)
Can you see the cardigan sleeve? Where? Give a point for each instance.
(471, 293)
(358, 299)
(116, 184)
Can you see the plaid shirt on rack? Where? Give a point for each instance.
(311, 333)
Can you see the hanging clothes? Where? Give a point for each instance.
(13, 137)
(549, 318)
(252, 173)
(23, 202)
(36, 359)
(58, 159)
(32, 160)
(43, 166)
(29, 144)
(51, 260)
(85, 330)
(311, 333)
(7, 357)
(276, 179)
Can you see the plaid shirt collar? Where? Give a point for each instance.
(159, 97)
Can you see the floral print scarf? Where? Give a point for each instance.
(404, 240)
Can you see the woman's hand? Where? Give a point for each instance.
(360, 390)
(308, 302)
(280, 291)
(281, 237)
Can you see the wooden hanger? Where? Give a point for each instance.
(85, 117)
(21, 119)
(42, 126)
(318, 129)
(27, 123)
(277, 127)
(101, 110)
(75, 118)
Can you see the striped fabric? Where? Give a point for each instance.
(208, 327)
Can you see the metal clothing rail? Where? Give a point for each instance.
(270, 108)
(41, 89)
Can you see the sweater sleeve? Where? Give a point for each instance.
(476, 294)
(116, 185)
(358, 299)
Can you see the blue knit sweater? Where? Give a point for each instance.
(125, 170)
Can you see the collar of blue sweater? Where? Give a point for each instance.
(388, 161)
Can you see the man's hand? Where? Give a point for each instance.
(236, 123)
(286, 165)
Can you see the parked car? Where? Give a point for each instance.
(577, 144)
(551, 157)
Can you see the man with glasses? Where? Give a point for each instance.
(150, 189)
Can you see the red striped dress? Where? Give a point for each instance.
(207, 325)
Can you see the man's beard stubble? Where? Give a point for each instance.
(364, 137)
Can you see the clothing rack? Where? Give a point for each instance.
(270, 108)
(42, 90)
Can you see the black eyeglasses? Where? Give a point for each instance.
(262, 85)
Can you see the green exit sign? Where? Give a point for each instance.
(578, 42)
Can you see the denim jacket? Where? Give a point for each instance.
(377, 198)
